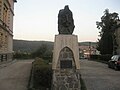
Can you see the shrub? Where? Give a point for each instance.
(42, 74)
(94, 57)
(101, 57)
(105, 57)
(22, 56)
(44, 52)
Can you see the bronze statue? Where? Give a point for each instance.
(65, 21)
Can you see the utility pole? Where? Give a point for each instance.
(89, 49)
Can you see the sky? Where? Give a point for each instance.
(36, 20)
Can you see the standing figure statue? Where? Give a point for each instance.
(65, 21)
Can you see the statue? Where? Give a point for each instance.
(65, 21)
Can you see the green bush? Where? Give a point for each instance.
(22, 56)
(44, 52)
(42, 74)
(94, 57)
(101, 57)
(105, 57)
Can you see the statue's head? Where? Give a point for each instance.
(66, 7)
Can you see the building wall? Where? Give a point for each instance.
(6, 29)
(117, 34)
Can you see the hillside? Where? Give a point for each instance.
(31, 46)
(87, 43)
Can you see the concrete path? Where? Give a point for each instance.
(97, 76)
(15, 76)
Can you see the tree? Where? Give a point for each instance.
(44, 51)
(107, 25)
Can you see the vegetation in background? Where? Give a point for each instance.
(24, 46)
(108, 24)
(43, 52)
(87, 43)
(19, 55)
(31, 49)
(101, 58)
(32, 46)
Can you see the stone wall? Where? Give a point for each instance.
(117, 34)
(66, 79)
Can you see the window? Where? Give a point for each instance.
(5, 9)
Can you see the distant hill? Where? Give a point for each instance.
(87, 43)
(31, 46)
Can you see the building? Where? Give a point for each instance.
(117, 34)
(6, 29)
(86, 50)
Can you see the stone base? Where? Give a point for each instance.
(66, 80)
(66, 63)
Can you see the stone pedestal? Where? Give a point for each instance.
(66, 63)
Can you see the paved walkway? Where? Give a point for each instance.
(15, 76)
(98, 76)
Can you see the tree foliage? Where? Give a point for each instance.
(44, 52)
(107, 25)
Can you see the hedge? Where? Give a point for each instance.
(42, 75)
(101, 57)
